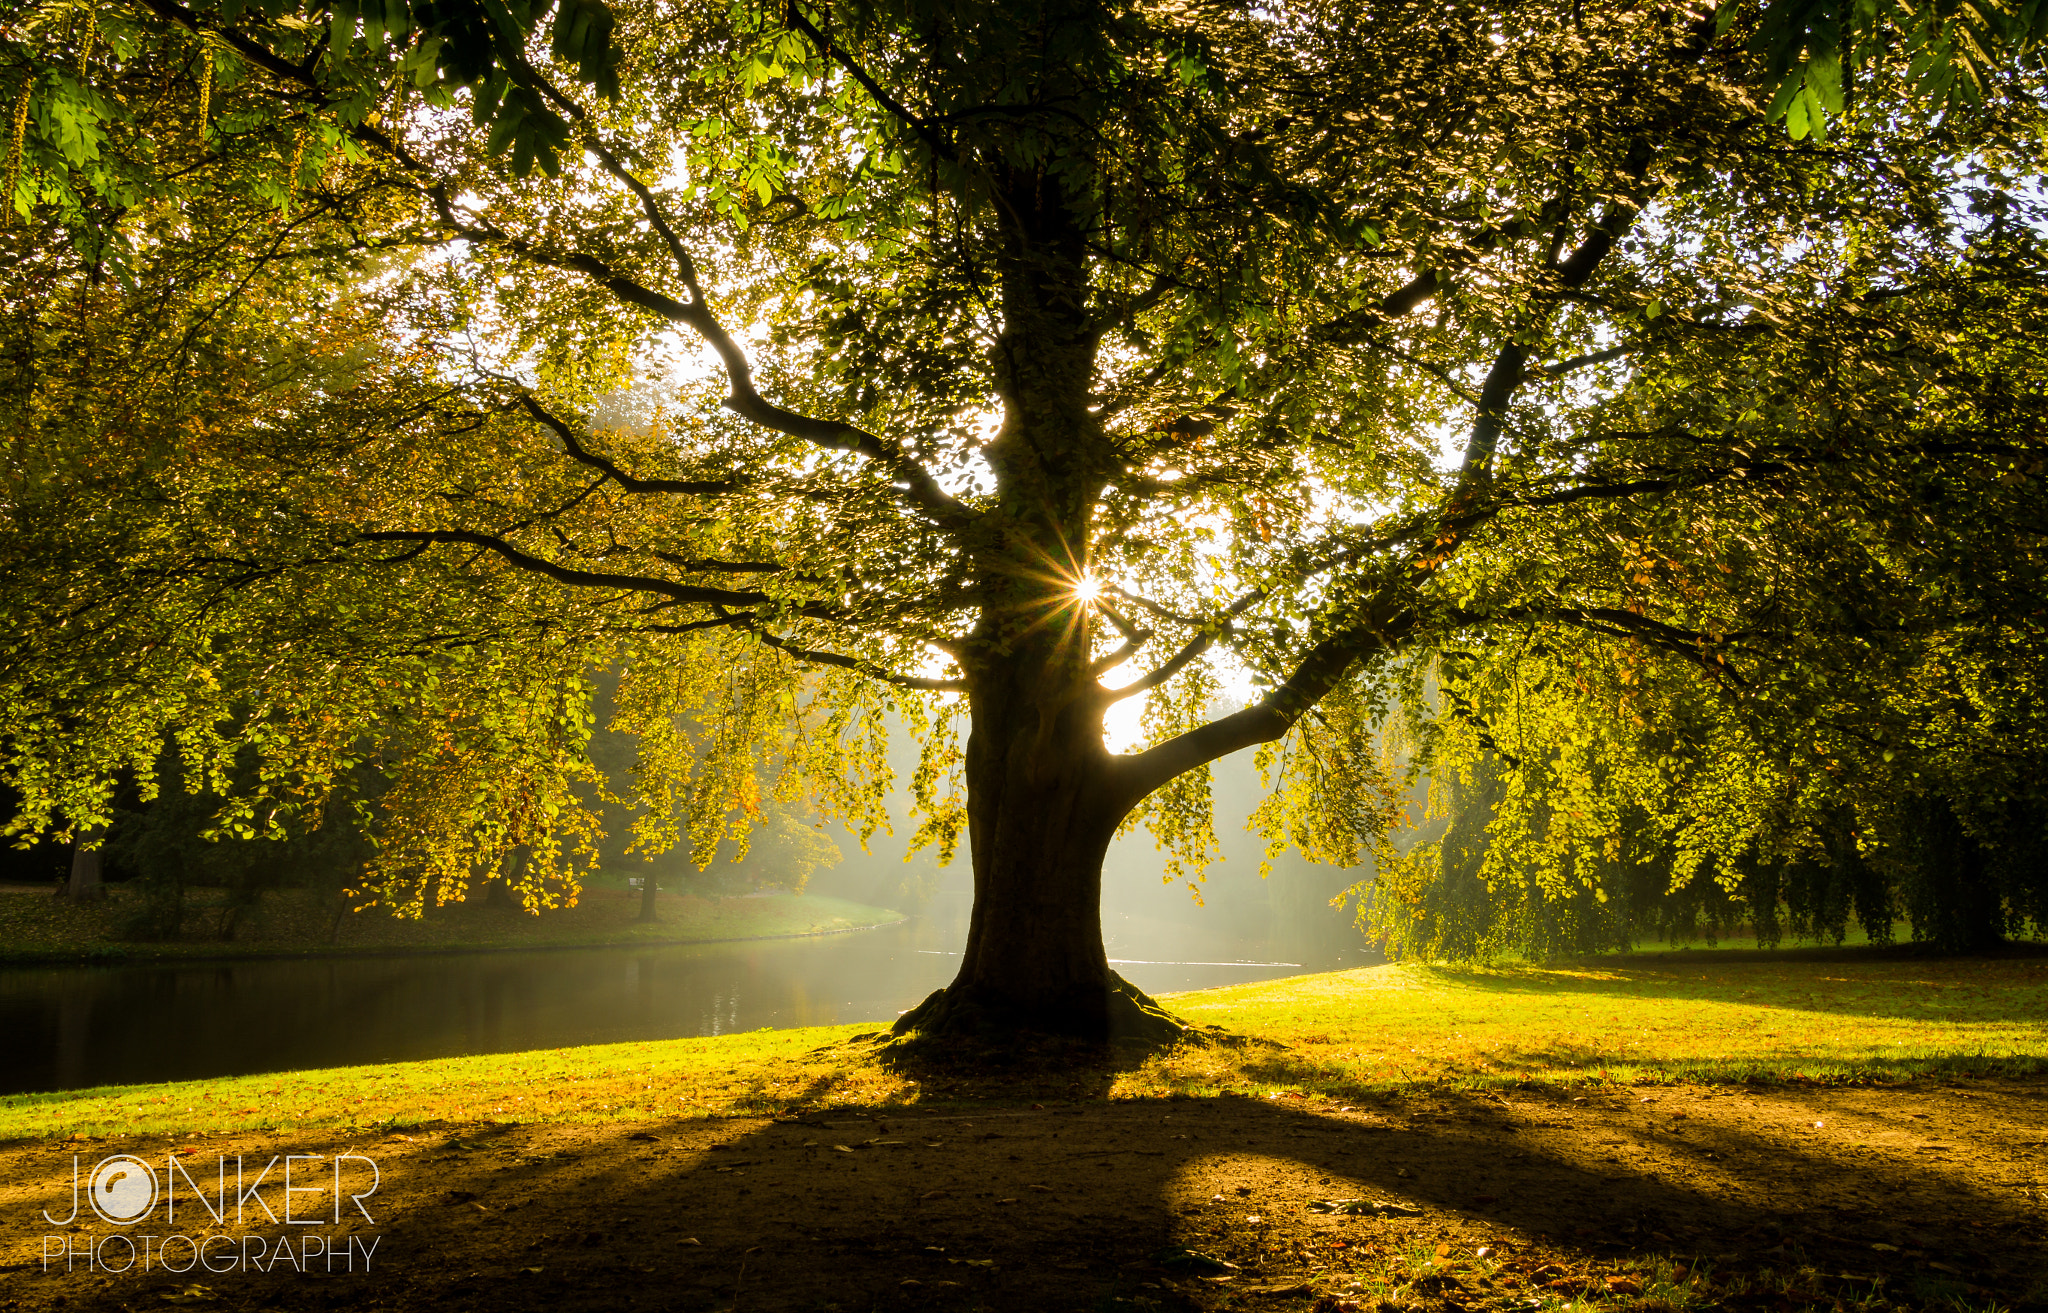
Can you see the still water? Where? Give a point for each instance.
(72, 1027)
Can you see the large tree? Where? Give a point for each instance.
(1056, 354)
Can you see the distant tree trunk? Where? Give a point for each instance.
(648, 890)
(1955, 898)
(85, 883)
(496, 890)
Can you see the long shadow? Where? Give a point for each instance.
(1080, 1204)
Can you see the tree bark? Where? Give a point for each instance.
(1042, 806)
(648, 891)
(85, 882)
(495, 890)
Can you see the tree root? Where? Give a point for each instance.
(1121, 1014)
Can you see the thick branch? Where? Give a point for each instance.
(1138, 774)
(844, 662)
(937, 141)
(1494, 397)
(577, 451)
(744, 399)
(1563, 367)
(1571, 273)
(1172, 666)
(1690, 644)
(706, 566)
(564, 574)
(1401, 301)
(1134, 639)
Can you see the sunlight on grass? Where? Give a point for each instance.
(1345, 1034)
(762, 1071)
(1381, 1027)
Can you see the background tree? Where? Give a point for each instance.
(1868, 738)
(1088, 339)
(194, 646)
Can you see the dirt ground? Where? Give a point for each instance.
(1932, 1195)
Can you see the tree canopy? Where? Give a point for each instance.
(1028, 359)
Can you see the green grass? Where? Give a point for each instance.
(600, 1083)
(1347, 1034)
(35, 927)
(1671, 1019)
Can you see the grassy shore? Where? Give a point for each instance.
(1337, 1036)
(38, 928)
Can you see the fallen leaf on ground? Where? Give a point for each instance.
(1190, 1260)
(1362, 1208)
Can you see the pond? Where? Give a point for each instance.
(78, 1026)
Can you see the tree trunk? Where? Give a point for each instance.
(1042, 809)
(495, 890)
(1044, 800)
(85, 883)
(648, 890)
(1044, 796)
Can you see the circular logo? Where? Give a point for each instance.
(123, 1189)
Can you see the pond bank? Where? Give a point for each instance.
(37, 929)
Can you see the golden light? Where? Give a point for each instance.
(1086, 589)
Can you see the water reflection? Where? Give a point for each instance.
(70, 1027)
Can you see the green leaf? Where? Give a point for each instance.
(505, 130)
(1824, 80)
(1795, 118)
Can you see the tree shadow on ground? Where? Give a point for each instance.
(1086, 1204)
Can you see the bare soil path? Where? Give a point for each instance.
(1776, 1198)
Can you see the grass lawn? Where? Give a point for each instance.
(1345, 1035)
(35, 927)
